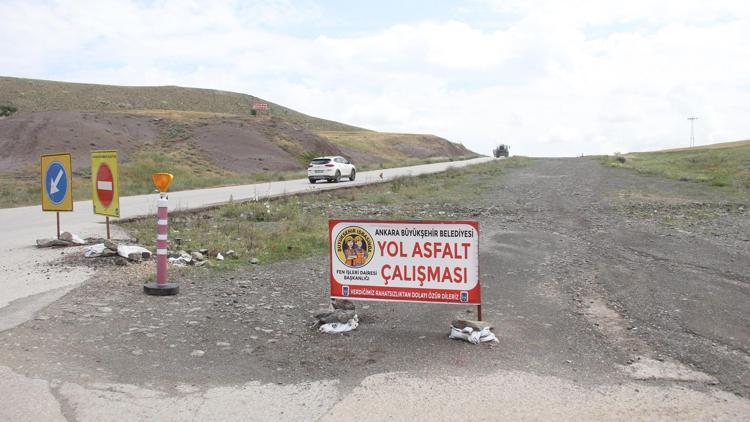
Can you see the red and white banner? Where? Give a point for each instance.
(405, 261)
(260, 106)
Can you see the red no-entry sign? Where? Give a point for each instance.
(105, 185)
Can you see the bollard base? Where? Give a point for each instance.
(166, 289)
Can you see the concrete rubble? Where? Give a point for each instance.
(107, 248)
(66, 239)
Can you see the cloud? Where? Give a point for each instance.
(551, 80)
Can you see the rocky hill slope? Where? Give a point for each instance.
(212, 131)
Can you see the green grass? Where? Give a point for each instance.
(722, 165)
(411, 162)
(296, 227)
(191, 171)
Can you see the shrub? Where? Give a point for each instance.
(7, 110)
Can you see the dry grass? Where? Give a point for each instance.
(720, 145)
(724, 165)
(179, 115)
(31, 95)
(393, 146)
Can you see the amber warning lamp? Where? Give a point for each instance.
(162, 181)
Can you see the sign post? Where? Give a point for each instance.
(56, 184)
(105, 193)
(406, 261)
(161, 287)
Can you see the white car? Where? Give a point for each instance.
(330, 168)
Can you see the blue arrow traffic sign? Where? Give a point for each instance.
(56, 182)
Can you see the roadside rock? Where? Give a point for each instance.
(344, 304)
(109, 252)
(337, 315)
(181, 258)
(48, 243)
(196, 256)
(72, 238)
(109, 244)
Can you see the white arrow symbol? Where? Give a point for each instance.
(53, 183)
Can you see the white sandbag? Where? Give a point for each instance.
(94, 251)
(487, 335)
(339, 327)
(472, 336)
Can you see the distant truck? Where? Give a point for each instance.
(502, 150)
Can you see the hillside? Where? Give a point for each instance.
(206, 137)
(724, 164)
(33, 95)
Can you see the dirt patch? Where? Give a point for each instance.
(242, 145)
(257, 145)
(576, 285)
(253, 324)
(241, 148)
(24, 137)
(653, 369)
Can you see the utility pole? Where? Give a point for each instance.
(692, 132)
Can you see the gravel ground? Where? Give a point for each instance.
(591, 274)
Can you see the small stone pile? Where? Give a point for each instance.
(198, 258)
(341, 318)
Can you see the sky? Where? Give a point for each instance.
(549, 78)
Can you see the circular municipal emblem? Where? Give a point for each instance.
(354, 247)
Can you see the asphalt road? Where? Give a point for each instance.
(614, 296)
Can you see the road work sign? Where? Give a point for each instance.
(57, 184)
(405, 261)
(105, 194)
